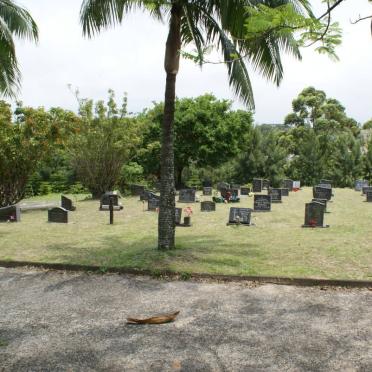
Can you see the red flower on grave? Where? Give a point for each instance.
(313, 223)
(188, 211)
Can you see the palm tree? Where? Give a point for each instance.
(216, 22)
(14, 21)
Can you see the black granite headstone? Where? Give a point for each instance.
(288, 184)
(240, 216)
(323, 201)
(322, 193)
(262, 203)
(207, 183)
(314, 215)
(187, 196)
(369, 196)
(245, 190)
(57, 214)
(276, 195)
(137, 189)
(235, 186)
(366, 189)
(66, 203)
(326, 182)
(207, 206)
(207, 191)
(11, 213)
(222, 185)
(146, 195)
(257, 184)
(285, 192)
(105, 201)
(153, 204)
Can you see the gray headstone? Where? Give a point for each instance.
(285, 192)
(66, 203)
(257, 184)
(322, 193)
(105, 201)
(265, 184)
(146, 195)
(369, 196)
(314, 215)
(207, 206)
(57, 214)
(153, 204)
(262, 203)
(207, 191)
(137, 189)
(276, 195)
(359, 184)
(240, 215)
(324, 181)
(178, 215)
(187, 196)
(288, 184)
(366, 189)
(245, 190)
(222, 185)
(11, 213)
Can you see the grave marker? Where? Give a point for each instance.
(288, 184)
(146, 195)
(187, 196)
(262, 203)
(11, 213)
(207, 206)
(314, 215)
(105, 201)
(296, 185)
(58, 215)
(323, 201)
(137, 189)
(222, 185)
(257, 184)
(207, 191)
(240, 216)
(366, 189)
(66, 203)
(265, 184)
(153, 204)
(359, 184)
(285, 192)
(178, 215)
(320, 192)
(369, 196)
(323, 181)
(245, 190)
(207, 183)
(276, 195)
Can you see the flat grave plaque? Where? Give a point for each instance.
(11, 213)
(207, 191)
(369, 196)
(245, 190)
(207, 206)
(186, 196)
(322, 193)
(276, 195)
(66, 203)
(240, 216)
(262, 203)
(58, 215)
(314, 215)
(257, 184)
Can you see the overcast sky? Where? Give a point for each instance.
(130, 59)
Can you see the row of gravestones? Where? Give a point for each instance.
(365, 188)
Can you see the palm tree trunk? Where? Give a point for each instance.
(166, 223)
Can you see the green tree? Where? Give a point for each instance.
(208, 133)
(24, 143)
(105, 142)
(15, 21)
(367, 162)
(367, 124)
(222, 24)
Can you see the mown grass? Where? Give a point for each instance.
(276, 245)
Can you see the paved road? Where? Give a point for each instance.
(52, 321)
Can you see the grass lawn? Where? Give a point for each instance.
(277, 245)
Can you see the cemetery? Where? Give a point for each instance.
(215, 242)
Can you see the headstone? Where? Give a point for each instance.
(325, 185)
(153, 204)
(314, 215)
(322, 193)
(287, 184)
(366, 189)
(66, 203)
(240, 216)
(369, 196)
(265, 184)
(285, 192)
(137, 189)
(146, 195)
(359, 184)
(257, 184)
(178, 215)
(324, 181)
(187, 196)
(262, 203)
(323, 201)
(222, 185)
(207, 191)
(235, 186)
(105, 201)
(276, 195)
(207, 206)
(207, 183)
(296, 185)
(58, 214)
(245, 190)
(234, 193)
(11, 213)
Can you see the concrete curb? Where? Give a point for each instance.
(301, 282)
